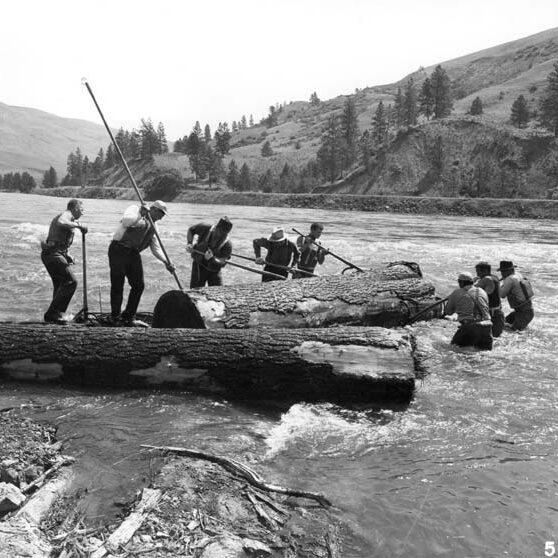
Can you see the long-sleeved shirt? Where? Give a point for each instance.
(135, 231)
(470, 303)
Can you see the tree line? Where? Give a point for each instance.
(17, 182)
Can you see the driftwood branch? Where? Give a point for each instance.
(48, 473)
(243, 471)
(131, 524)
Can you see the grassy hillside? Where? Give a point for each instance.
(32, 140)
(436, 158)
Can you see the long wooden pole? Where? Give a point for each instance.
(331, 253)
(292, 270)
(132, 180)
(274, 275)
(424, 310)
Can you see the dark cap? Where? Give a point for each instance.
(224, 224)
(506, 265)
(483, 265)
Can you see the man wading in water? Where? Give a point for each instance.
(57, 261)
(519, 292)
(133, 235)
(280, 251)
(311, 253)
(210, 253)
(471, 306)
(490, 284)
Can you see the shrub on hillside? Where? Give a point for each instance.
(164, 187)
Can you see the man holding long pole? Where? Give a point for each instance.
(210, 252)
(136, 231)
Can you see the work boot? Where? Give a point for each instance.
(55, 319)
(132, 322)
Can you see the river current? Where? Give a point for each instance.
(468, 469)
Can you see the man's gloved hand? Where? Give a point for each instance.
(83, 228)
(189, 248)
(260, 261)
(170, 267)
(144, 210)
(208, 254)
(71, 260)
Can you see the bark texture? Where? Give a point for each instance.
(386, 297)
(337, 364)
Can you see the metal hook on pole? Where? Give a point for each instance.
(132, 180)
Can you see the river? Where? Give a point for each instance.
(468, 469)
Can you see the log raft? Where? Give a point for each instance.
(385, 297)
(338, 364)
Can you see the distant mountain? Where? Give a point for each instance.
(32, 140)
(474, 156)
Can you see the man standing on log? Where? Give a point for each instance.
(210, 252)
(471, 306)
(519, 292)
(57, 261)
(280, 252)
(311, 253)
(133, 235)
(490, 284)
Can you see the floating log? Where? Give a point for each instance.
(386, 297)
(337, 364)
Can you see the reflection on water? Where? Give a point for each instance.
(467, 469)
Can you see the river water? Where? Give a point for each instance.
(468, 469)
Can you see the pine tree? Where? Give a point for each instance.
(50, 180)
(207, 134)
(213, 164)
(110, 157)
(379, 125)
(162, 137)
(149, 140)
(426, 99)
(233, 176)
(234, 126)
(27, 183)
(243, 123)
(271, 119)
(398, 108)
(410, 103)
(251, 121)
(349, 131)
(330, 156)
(476, 107)
(520, 112)
(194, 152)
(266, 150)
(245, 179)
(314, 100)
(365, 149)
(441, 93)
(223, 138)
(548, 107)
(266, 182)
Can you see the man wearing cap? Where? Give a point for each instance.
(490, 284)
(210, 252)
(519, 294)
(281, 252)
(311, 253)
(57, 261)
(471, 306)
(134, 234)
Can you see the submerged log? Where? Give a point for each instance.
(386, 297)
(336, 364)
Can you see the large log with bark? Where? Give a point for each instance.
(337, 364)
(387, 297)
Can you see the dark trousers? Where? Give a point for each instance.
(64, 282)
(201, 276)
(521, 317)
(473, 335)
(125, 263)
(498, 321)
(276, 271)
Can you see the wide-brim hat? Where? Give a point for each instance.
(161, 206)
(277, 235)
(466, 277)
(506, 265)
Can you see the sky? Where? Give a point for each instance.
(178, 61)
